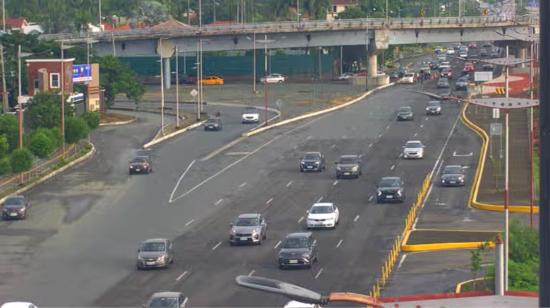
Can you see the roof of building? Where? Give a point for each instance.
(171, 24)
(107, 27)
(18, 22)
(344, 2)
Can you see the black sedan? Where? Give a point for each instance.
(453, 175)
(213, 124)
(312, 161)
(390, 189)
(140, 164)
(15, 207)
(405, 114)
(298, 250)
(348, 166)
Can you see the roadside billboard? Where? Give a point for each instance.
(82, 73)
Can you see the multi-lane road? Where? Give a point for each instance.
(85, 226)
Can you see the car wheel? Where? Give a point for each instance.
(265, 236)
(281, 267)
(301, 170)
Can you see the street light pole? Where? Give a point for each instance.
(532, 140)
(254, 65)
(19, 92)
(265, 78)
(4, 15)
(4, 87)
(99, 10)
(161, 93)
(62, 77)
(506, 181)
(177, 89)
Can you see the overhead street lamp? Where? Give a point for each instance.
(265, 41)
(62, 77)
(20, 95)
(301, 294)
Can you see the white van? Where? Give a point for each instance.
(297, 304)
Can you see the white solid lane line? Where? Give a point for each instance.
(356, 218)
(288, 184)
(401, 261)
(301, 219)
(217, 245)
(218, 202)
(277, 245)
(181, 276)
(179, 181)
(319, 273)
(269, 201)
(189, 222)
(251, 273)
(339, 243)
(185, 301)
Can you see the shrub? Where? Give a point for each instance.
(75, 129)
(91, 118)
(21, 160)
(41, 144)
(5, 166)
(4, 145)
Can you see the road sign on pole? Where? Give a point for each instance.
(194, 92)
(483, 76)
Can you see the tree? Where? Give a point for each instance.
(151, 12)
(75, 129)
(9, 127)
(21, 160)
(352, 12)
(4, 146)
(116, 78)
(41, 145)
(44, 110)
(91, 118)
(5, 166)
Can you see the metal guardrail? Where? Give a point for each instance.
(303, 26)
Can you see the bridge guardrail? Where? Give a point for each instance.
(314, 25)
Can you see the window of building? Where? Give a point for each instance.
(334, 9)
(54, 81)
(36, 85)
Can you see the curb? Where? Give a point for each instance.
(472, 202)
(171, 135)
(441, 246)
(459, 285)
(118, 123)
(55, 172)
(316, 113)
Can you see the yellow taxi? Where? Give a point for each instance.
(212, 80)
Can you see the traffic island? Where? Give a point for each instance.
(112, 118)
(187, 121)
(436, 239)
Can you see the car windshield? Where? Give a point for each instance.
(409, 75)
(405, 109)
(212, 121)
(139, 160)
(246, 222)
(452, 170)
(347, 160)
(434, 104)
(296, 242)
(250, 110)
(164, 302)
(414, 144)
(311, 156)
(443, 80)
(14, 201)
(153, 246)
(325, 209)
(389, 183)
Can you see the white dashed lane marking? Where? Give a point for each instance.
(217, 245)
(356, 218)
(319, 273)
(339, 243)
(189, 222)
(218, 202)
(277, 245)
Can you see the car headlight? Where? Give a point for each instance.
(233, 231)
(355, 168)
(302, 163)
(461, 178)
(305, 255)
(427, 109)
(338, 168)
(22, 209)
(140, 258)
(317, 163)
(161, 258)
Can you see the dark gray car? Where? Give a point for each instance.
(312, 161)
(348, 166)
(213, 124)
(15, 207)
(155, 253)
(390, 189)
(461, 83)
(453, 175)
(298, 250)
(405, 113)
(443, 83)
(140, 164)
(433, 108)
(248, 229)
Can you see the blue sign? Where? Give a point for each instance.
(82, 73)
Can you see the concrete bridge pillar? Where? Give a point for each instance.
(523, 55)
(167, 74)
(373, 64)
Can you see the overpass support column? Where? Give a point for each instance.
(167, 73)
(373, 64)
(523, 55)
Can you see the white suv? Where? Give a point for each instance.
(250, 115)
(413, 149)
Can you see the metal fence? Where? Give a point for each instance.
(11, 183)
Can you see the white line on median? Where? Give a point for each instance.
(301, 219)
(217, 245)
(269, 201)
(181, 276)
(319, 273)
(218, 202)
(189, 222)
(356, 218)
(401, 261)
(277, 245)
(288, 184)
(179, 181)
(320, 198)
(236, 153)
(339, 243)
(251, 273)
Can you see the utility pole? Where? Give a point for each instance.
(161, 92)
(5, 104)
(99, 11)
(62, 97)
(20, 111)
(254, 65)
(506, 181)
(265, 79)
(177, 89)
(544, 214)
(4, 15)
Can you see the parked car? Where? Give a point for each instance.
(461, 83)
(413, 149)
(167, 300)
(444, 65)
(155, 253)
(140, 164)
(248, 229)
(345, 76)
(469, 67)
(451, 51)
(250, 115)
(433, 108)
(405, 113)
(15, 207)
(495, 52)
(273, 78)
(213, 124)
(443, 83)
(453, 175)
(483, 52)
(407, 78)
(463, 54)
(323, 215)
(212, 80)
(348, 166)
(472, 45)
(488, 68)
(442, 57)
(390, 189)
(298, 250)
(312, 161)
(394, 76)
(447, 73)
(434, 65)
